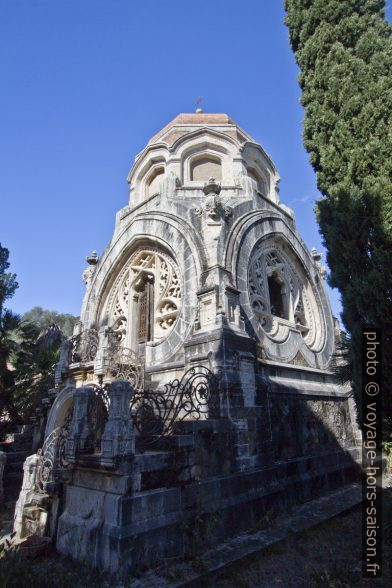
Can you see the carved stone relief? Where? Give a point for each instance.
(145, 266)
(298, 307)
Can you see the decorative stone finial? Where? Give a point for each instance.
(317, 260)
(212, 187)
(315, 254)
(92, 259)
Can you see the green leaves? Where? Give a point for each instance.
(344, 50)
(44, 318)
(8, 283)
(29, 351)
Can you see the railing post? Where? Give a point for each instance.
(81, 435)
(99, 361)
(118, 438)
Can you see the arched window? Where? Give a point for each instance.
(277, 296)
(154, 181)
(281, 294)
(145, 300)
(145, 311)
(206, 167)
(259, 182)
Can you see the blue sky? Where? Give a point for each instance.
(86, 83)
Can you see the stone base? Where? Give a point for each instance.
(120, 532)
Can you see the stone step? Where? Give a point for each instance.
(22, 444)
(152, 460)
(15, 467)
(212, 425)
(12, 484)
(190, 427)
(173, 442)
(286, 526)
(7, 446)
(17, 456)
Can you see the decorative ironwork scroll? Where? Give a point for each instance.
(122, 363)
(51, 457)
(154, 413)
(84, 347)
(193, 397)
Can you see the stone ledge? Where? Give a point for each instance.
(301, 518)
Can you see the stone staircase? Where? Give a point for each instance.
(17, 447)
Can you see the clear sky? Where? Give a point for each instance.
(86, 83)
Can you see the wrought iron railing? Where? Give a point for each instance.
(155, 413)
(83, 347)
(122, 363)
(51, 457)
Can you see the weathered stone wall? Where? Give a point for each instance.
(129, 531)
(309, 426)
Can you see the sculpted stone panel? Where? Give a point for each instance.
(280, 293)
(303, 426)
(268, 258)
(146, 267)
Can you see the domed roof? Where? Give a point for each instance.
(189, 122)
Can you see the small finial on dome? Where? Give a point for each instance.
(199, 110)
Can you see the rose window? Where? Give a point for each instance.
(280, 293)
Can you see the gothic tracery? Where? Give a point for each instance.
(271, 264)
(146, 266)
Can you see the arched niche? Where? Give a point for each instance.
(144, 301)
(277, 296)
(154, 180)
(309, 327)
(211, 147)
(60, 410)
(260, 182)
(184, 247)
(204, 167)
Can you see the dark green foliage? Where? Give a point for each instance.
(29, 351)
(34, 364)
(31, 359)
(8, 283)
(44, 318)
(344, 51)
(8, 323)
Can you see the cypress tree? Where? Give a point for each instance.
(344, 51)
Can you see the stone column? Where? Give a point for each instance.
(118, 438)
(99, 361)
(81, 434)
(29, 486)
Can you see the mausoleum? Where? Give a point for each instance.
(199, 384)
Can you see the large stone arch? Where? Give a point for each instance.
(60, 409)
(182, 244)
(251, 231)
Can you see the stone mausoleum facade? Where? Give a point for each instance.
(198, 386)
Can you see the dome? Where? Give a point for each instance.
(194, 147)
